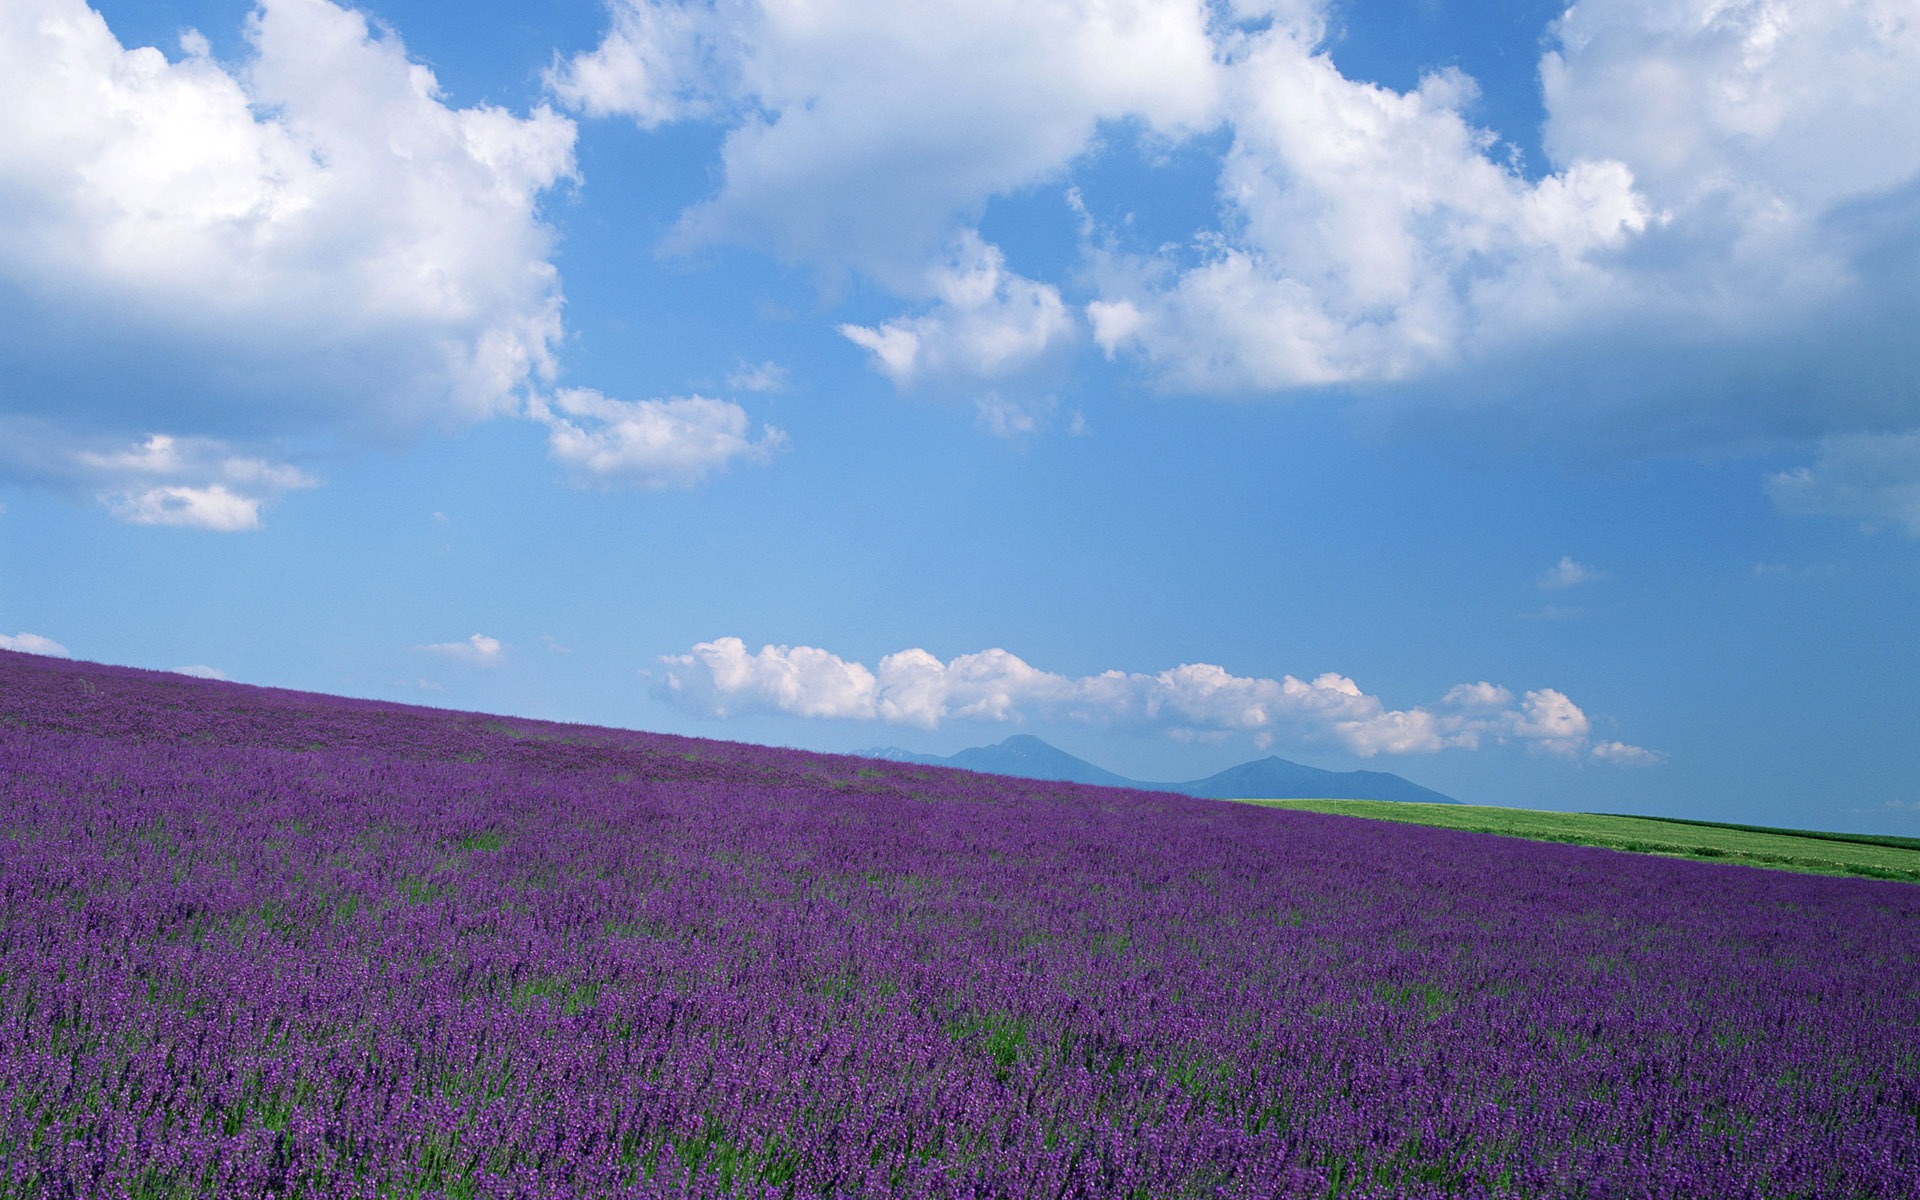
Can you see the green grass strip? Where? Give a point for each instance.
(1777, 849)
(1865, 839)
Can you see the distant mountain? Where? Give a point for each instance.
(1278, 779)
(1028, 757)
(1021, 755)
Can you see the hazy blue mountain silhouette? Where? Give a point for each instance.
(1022, 755)
(1278, 779)
(1274, 778)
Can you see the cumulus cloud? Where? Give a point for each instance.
(1567, 573)
(988, 323)
(201, 671)
(1729, 201)
(33, 643)
(862, 135)
(1372, 234)
(722, 678)
(313, 233)
(658, 63)
(1621, 754)
(307, 241)
(1872, 477)
(1368, 231)
(211, 507)
(477, 651)
(649, 443)
(159, 479)
(198, 482)
(1482, 695)
(1802, 100)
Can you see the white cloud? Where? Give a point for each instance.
(1731, 205)
(1550, 719)
(201, 671)
(720, 679)
(1621, 754)
(1195, 700)
(1567, 573)
(1729, 200)
(310, 239)
(988, 323)
(1477, 695)
(658, 63)
(212, 507)
(160, 479)
(1116, 323)
(1874, 477)
(33, 643)
(1802, 101)
(161, 455)
(649, 443)
(869, 138)
(862, 135)
(477, 651)
(1371, 235)
(766, 377)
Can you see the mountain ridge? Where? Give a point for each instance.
(1272, 778)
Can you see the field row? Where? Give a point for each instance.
(1780, 849)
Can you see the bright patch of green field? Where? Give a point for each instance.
(1786, 850)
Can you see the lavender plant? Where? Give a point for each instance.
(259, 943)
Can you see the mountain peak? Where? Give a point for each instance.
(1025, 756)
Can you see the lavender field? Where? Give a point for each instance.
(257, 943)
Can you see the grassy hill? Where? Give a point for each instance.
(1749, 845)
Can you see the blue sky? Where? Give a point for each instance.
(1518, 398)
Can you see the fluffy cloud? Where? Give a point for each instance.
(1732, 204)
(32, 643)
(1372, 234)
(1621, 754)
(658, 63)
(1802, 101)
(988, 322)
(1369, 231)
(722, 678)
(870, 137)
(317, 213)
(160, 479)
(477, 651)
(212, 507)
(1731, 199)
(1567, 573)
(862, 134)
(1873, 477)
(201, 671)
(312, 240)
(197, 483)
(649, 443)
